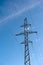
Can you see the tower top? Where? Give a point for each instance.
(25, 20)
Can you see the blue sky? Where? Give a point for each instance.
(12, 14)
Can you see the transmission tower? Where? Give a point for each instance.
(26, 45)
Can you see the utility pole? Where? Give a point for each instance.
(26, 45)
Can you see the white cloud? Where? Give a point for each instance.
(24, 9)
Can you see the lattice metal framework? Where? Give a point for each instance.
(26, 45)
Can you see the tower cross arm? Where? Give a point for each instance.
(25, 25)
(24, 42)
(19, 34)
(32, 32)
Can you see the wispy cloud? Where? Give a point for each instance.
(24, 9)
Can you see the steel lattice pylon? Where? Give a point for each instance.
(26, 45)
